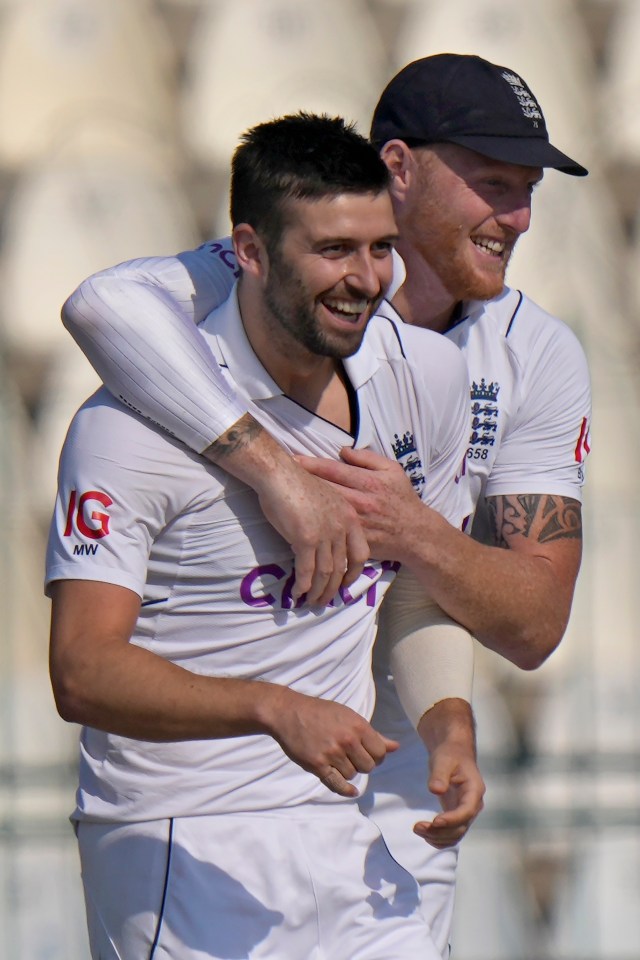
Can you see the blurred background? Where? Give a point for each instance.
(117, 121)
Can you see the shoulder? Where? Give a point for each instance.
(427, 370)
(522, 323)
(213, 254)
(113, 432)
(393, 338)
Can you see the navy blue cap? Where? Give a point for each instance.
(463, 99)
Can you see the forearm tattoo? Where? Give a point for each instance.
(236, 437)
(539, 517)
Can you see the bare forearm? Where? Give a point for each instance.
(515, 597)
(132, 692)
(249, 453)
(102, 681)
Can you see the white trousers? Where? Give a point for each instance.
(309, 884)
(395, 799)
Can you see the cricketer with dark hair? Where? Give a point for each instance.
(225, 731)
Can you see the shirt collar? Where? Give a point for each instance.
(473, 309)
(224, 326)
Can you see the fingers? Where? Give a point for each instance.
(323, 529)
(338, 473)
(366, 459)
(305, 569)
(462, 804)
(440, 835)
(357, 554)
(320, 572)
(462, 793)
(362, 757)
(323, 580)
(337, 783)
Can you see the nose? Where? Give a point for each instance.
(368, 275)
(516, 215)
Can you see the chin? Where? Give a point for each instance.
(483, 286)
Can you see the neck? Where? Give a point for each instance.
(316, 382)
(422, 300)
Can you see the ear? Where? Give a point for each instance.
(401, 164)
(250, 250)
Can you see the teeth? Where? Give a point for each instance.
(491, 246)
(347, 306)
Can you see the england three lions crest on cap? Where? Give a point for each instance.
(405, 452)
(527, 101)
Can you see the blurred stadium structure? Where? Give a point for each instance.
(117, 120)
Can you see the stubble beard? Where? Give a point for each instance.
(288, 305)
(444, 246)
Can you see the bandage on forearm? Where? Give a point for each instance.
(429, 654)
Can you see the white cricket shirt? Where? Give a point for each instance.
(135, 508)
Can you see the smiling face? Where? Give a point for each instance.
(463, 216)
(328, 274)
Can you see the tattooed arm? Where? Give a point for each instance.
(319, 524)
(513, 592)
(542, 537)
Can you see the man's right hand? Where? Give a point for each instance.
(325, 534)
(326, 738)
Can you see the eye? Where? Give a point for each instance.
(382, 249)
(334, 250)
(496, 183)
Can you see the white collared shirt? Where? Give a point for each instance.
(136, 509)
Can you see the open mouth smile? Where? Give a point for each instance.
(349, 310)
(493, 248)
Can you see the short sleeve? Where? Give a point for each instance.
(547, 441)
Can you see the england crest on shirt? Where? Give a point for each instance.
(406, 453)
(484, 413)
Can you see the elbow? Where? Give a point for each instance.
(530, 659)
(68, 707)
(69, 700)
(535, 648)
(82, 309)
(70, 313)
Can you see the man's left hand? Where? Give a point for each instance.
(461, 789)
(447, 730)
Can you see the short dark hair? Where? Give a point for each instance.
(301, 156)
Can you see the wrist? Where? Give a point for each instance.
(421, 539)
(449, 721)
(248, 452)
(272, 701)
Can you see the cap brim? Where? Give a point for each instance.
(523, 151)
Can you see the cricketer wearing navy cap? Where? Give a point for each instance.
(463, 99)
(459, 137)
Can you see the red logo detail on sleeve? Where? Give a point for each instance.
(583, 447)
(89, 522)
